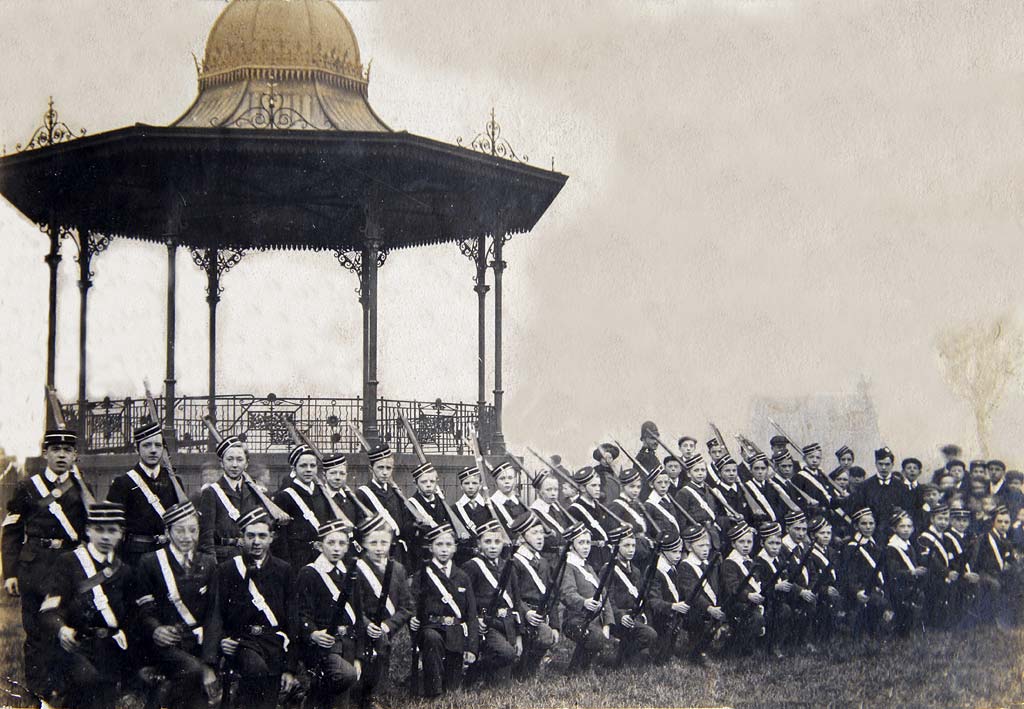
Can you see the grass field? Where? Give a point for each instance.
(984, 668)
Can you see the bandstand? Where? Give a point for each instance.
(280, 150)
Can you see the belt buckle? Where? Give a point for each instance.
(448, 620)
(54, 543)
(256, 629)
(502, 612)
(102, 633)
(341, 631)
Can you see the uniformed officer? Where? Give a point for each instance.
(84, 609)
(256, 590)
(379, 494)
(500, 612)
(445, 625)
(223, 503)
(647, 456)
(328, 626)
(146, 491)
(383, 600)
(177, 607)
(306, 503)
(45, 516)
(537, 582)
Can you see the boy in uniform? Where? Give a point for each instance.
(45, 516)
(698, 579)
(223, 503)
(256, 590)
(772, 564)
(941, 574)
(337, 489)
(744, 601)
(146, 491)
(505, 500)
(998, 595)
(632, 629)
(445, 625)
(866, 596)
(535, 581)
(328, 629)
(667, 604)
(379, 495)
(83, 611)
(588, 617)
(585, 510)
(551, 514)
(696, 498)
(430, 513)
(498, 605)
(905, 574)
(306, 503)
(960, 547)
(628, 507)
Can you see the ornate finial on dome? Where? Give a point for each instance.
(491, 142)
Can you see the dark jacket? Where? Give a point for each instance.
(218, 532)
(462, 635)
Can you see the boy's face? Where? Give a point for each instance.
(823, 537)
(60, 458)
(813, 459)
(105, 537)
(995, 473)
(760, 471)
(911, 471)
(931, 497)
(842, 481)
(549, 490)
(427, 483)
(866, 525)
(378, 544)
(151, 450)
(632, 490)
(334, 546)
(382, 470)
(947, 482)
(798, 531)
(960, 524)
(1014, 484)
(184, 535)
(856, 481)
(989, 504)
(786, 469)
(688, 447)
(716, 450)
(846, 460)
(884, 467)
(534, 536)
(744, 544)
(506, 482)
(490, 545)
(674, 468)
(701, 548)
(443, 548)
(234, 462)
(593, 488)
(1001, 523)
(337, 477)
(568, 491)
(256, 539)
(661, 484)
(581, 545)
(941, 521)
(471, 486)
(729, 473)
(904, 528)
(305, 468)
(772, 545)
(627, 548)
(673, 557)
(958, 472)
(699, 473)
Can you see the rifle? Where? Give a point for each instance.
(677, 620)
(300, 439)
(551, 596)
(460, 529)
(415, 672)
(713, 482)
(641, 602)
(590, 616)
(712, 474)
(636, 464)
(229, 681)
(503, 581)
(835, 490)
(675, 503)
(474, 447)
(58, 417)
(751, 502)
(561, 476)
(279, 516)
(370, 653)
(165, 457)
(428, 523)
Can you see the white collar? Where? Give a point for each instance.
(151, 473)
(693, 560)
(500, 498)
(526, 553)
(310, 489)
(737, 557)
(321, 564)
(663, 564)
(896, 543)
(993, 488)
(52, 477)
(333, 493)
(181, 558)
(763, 554)
(258, 563)
(575, 559)
(540, 505)
(446, 568)
(884, 481)
(102, 558)
(234, 485)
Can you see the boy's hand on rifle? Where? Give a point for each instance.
(519, 646)
(952, 576)
(414, 624)
(166, 635)
(807, 596)
(756, 598)
(469, 657)
(680, 607)
(628, 622)
(862, 597)
(716, 612)
(920, 571)
(534, 618)
(211, 686)
(832, 592)
(606, 631)
(592, 604)
(483, 626)
(228, 646)
(322, 638)
(288, 683)
(67, 638)
(784, 586)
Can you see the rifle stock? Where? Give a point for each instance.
(58, 413)
(165, 457)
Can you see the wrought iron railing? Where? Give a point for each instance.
(441, 427)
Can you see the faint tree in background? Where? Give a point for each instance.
(978, 362)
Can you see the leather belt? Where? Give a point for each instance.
(257, 630)
(145, 539)
(97, 633)
(46, 542)
(342, 631)
(500, 613)
(443, 620)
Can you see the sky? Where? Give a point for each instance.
(765, 199)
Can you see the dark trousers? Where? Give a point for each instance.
(778, 623)
(36, 648)
(497, 656)
(333, 675)
(536, 643)
(91, 674)
(442, 670)
(183, 684)
(869, 617)
(375, 671)
(748, 627)
(632, 642)
(590, 643)
(259, 677)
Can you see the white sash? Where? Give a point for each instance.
(995, 550)
(584, 572)
(375, 585)
(547, 518)
(864, 552)
(663, 569)
(443, 590)
(152, 499)
(735, 557)
(491, 580)
(936, 544)
(784, 496)
(99, 598)
(827, 564)
(174, 596)
(594, 525)
(637, 518)
(525, 561)
(467, 521)
(381, 509)
(956, 542)
(814, 481)
(420, 511)
(761, 499)
(228, 507)
(705, 586)
(333, 589)
(700, 499)
(307, 513)
(55, 509)
(903, 555)
(497, 504)
(661, 509)
(633, 590)
(257, 598)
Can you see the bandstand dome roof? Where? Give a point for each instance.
(301, 53)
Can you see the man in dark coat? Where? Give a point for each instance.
(883, 493)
